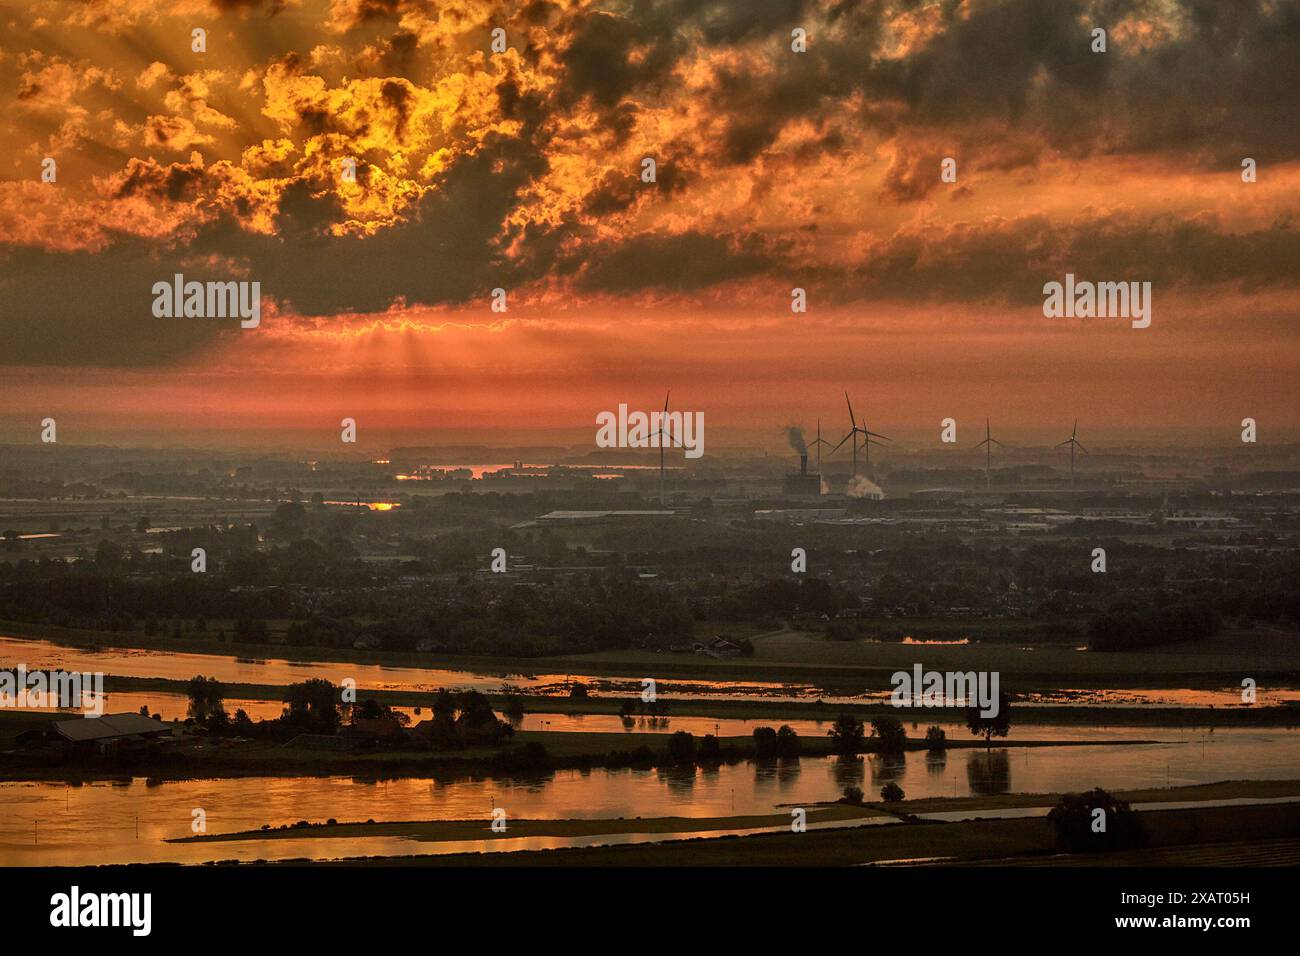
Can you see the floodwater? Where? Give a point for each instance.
(46, 823)
(51, 823)
(172, 706)
(137, 662)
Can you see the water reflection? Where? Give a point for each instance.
(776, 772)
(848, 771)
(137, 662)
(887, 768)
(679, 778)
(97, 822)
(182, 665)
(988, 772)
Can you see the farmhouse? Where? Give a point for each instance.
(110, 733)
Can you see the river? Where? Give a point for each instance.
(49, 823)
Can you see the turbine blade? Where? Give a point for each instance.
(842, 441)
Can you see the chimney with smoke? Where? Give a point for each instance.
(802, 483)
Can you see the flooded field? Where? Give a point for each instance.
(138, 662)
(50, 822)
(135, 662)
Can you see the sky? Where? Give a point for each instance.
(522, 170)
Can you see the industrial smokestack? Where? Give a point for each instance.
(803, 465)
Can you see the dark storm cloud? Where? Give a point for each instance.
(672, 263)
(96, 308)
(1215, 88)
(911, 175)
(1008, 261)
(84, 308)
(174, 182)
(598, 61)
(227, 6)
(1226, 89)
(396, 55)
(1001, 82)
(726, 22)
(446, 253)
(1219, 84)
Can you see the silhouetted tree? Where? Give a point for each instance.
(999, 725)
(847, 734)
(889, 731)
(765, 742)
(314, 702)
(206, 696)
(1081, 828)
(681, 747)
(710, 749)
(787, 741)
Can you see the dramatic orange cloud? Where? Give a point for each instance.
(524, 169)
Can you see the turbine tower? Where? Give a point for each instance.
(663, 436)
(1073, 442)
(817, 444)
(988, 443)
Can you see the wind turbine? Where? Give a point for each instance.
(854, 431)
(869, 439)
(817, 444)
(1073, 442)
(663, 435)
(988, 443)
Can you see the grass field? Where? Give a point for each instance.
(461, 830)
(973, 840)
